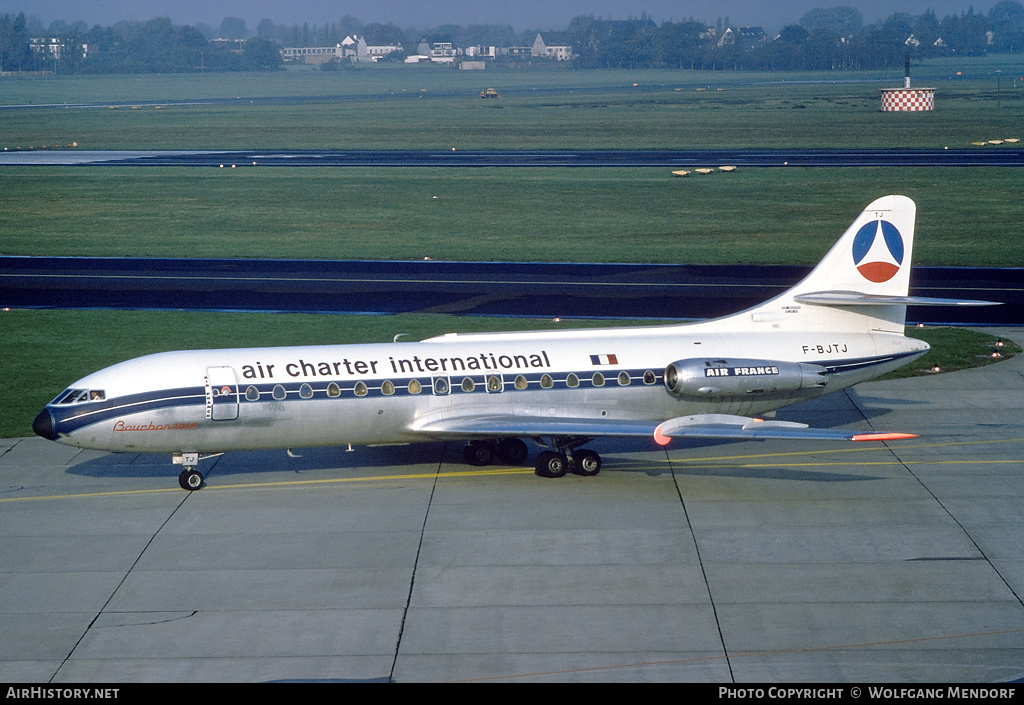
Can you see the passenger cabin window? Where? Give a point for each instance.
(649, 377)
(388, 388)
(252, 394)
(333, 390)
(546, 382)
(624, 379)
(467, 384)
(306, 391)
(279, 392)
(415, 387)
(361, 389)
(494, 384)
(440, 385)
(572, 380)
(597, 380)
(520, 382)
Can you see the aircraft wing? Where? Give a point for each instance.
(697, 426)
(497, 425)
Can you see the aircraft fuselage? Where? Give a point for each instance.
(221, 400)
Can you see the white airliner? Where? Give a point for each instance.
(841, 325)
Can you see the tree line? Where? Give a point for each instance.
(823, 39)
(156, 46)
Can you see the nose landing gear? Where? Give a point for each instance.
(190, 478)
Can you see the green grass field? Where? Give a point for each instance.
(965, 216)
(404, 107)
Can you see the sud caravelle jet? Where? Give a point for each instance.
(841, 325)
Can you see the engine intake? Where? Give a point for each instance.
(703, 378)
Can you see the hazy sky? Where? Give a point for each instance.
(521, 14)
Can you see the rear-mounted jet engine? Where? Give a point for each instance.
(723, 378)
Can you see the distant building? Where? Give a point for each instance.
(310, 55)
(482, 52)
(352, 48)
(554, 45)
(516, 51)
(236, 46)
(746, 37)
(53, 47)
(439, 50)
(355, 48)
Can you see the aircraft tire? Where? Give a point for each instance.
(551, 464)
(478, 453)
(586, 463)
(190, 479)
(512, 451)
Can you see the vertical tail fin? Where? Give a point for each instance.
(873, 255)
(859, 284)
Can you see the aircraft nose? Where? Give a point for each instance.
(43, 426)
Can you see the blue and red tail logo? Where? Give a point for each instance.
(878, 251)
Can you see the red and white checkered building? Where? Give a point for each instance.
(907, 99)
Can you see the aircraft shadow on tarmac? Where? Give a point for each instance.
(424, 459)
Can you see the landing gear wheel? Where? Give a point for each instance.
(190, 479)
(550, 464)
(478, 453)
(512, 451)
(586, 463)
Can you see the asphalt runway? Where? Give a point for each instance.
(989, 156)
(760, 562)
(538, 289)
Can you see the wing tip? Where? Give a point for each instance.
(660, 438)
(883, 436)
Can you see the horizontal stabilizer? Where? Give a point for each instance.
(856, 298)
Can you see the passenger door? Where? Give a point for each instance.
(221, 394)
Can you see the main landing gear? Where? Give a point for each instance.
(565, 456)
(583, 462)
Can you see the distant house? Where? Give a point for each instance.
(746, 37)
(353, 47)
(356, 48)
(554, 45)
(440, 51)
(53, 47)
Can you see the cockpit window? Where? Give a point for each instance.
(77, 396)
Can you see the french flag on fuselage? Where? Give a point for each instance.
(604, 360)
